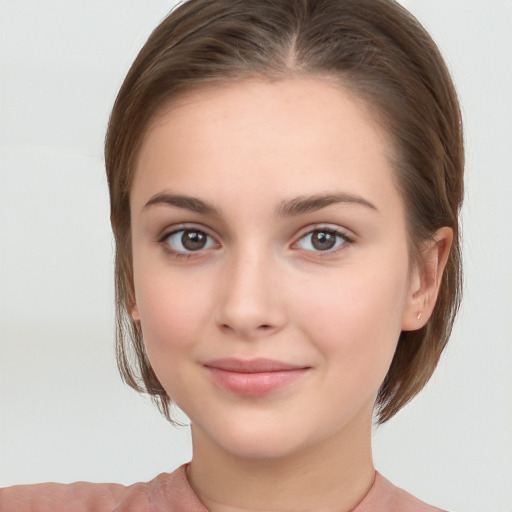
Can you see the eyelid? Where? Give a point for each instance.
(172, 230)
(187, 226)
(326, 227)
(337, 230)
(343, 233)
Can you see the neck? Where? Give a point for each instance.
(331, 476)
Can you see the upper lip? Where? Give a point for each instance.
(258, 365)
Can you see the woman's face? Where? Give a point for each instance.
(271, 266)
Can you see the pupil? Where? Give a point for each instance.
(323, 240)
(193, 240)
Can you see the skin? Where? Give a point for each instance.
(260, 288)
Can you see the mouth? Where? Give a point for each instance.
(254, 377)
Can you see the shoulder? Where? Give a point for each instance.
(387, 497)
(75, 497)
(168, 491)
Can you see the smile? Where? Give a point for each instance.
(254, 377)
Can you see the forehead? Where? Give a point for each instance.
(243, 137)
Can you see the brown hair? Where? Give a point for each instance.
(376, 49)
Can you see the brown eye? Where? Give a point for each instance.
(189, 240)
(193, 240)
(322, 240)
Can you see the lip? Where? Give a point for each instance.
(254, 377)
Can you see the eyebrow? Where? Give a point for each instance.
(291, 207)
(192, 204)
(307, 204)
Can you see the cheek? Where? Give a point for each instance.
(355, 322)
(171, 309)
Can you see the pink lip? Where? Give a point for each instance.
(253, 377)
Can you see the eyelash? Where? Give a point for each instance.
(340, 234)
(164, 240)
(346, 239)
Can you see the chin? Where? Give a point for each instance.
(254, 440)
(262, 447)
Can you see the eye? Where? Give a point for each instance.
(323, 240)
(188, 240)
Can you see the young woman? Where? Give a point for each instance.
(285, 181)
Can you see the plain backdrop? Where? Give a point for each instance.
(65, 415)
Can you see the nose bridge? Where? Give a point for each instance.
(250, 301)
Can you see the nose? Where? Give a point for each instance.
(250, 302)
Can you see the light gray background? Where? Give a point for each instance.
(65, 415)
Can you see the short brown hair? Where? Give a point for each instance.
(374, 48)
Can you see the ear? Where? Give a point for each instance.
(426, 280)
(134, 312)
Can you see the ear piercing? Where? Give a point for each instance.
(419, 315)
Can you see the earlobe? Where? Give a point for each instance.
(134, 313)
(426, 280)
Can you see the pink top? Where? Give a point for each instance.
(168, 492)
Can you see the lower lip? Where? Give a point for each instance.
(255, 384)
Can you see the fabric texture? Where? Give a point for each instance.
(168, 492)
